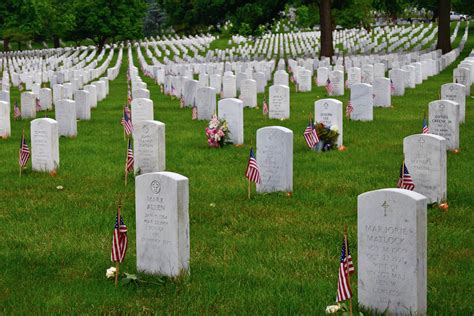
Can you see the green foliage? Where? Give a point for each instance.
(463, 6)
(353, 13)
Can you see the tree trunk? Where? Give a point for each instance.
(435, 14)
(56, 42)
(6, 44)
(444, 29)
(326, 28)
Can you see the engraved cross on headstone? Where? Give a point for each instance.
(385, 206)
(421, 141)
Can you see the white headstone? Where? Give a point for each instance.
(425, 158)
(248, 92)
(162, 223)
(5, 128)
(28, 105)
(362, 102)
(232, 110)
(44, 145)
(83, 109)
(142, 110)
(65, 112)
(455, 92)
(329, 112)
(392, 252)
(46, 99)
(382, 92)
(205, 102)
(444, 121)
(229, 86)
(149, 147)
(275, 159)
(279, 102)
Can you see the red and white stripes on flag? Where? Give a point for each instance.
(195, 113)
(405, 181)
(425, 129)
(329, 87)
(252, 172)
(24, 153)
(16, 111)
(349, 109)
(38, 105)
(346, 267)
(265, 106)
(119, 241)
(310, 135)
(130, 160)
(126, 121)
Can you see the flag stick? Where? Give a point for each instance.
(346, 266)
(126, 169)
(117, 264)
(249, 189)
(22, 137)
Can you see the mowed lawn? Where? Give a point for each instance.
(271, 254)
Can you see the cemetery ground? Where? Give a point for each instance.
(274, 253)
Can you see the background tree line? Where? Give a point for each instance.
(105, 21)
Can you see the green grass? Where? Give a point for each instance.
(271, 254)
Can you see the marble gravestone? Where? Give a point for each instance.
(215, 81)
(462, 76)
(455, 92)
(141, 93)
(362, 102)
(162, 223)
(248, 92)
(205, 102)
(229, 86)
(322, 76)
(329, 112)
(92, 95)
(382, 92)
(261, 82)
(232, 110)
(189, 92)
(149, 147)
(45, 97)
(280, 78)
(425, 158)
(353, 76)
(65, 114)
(142, 110)
(275, 159)
(392, 251)
(83, 109)
(44, 145)
(28, 105)
(398, 77)
(279, 102)
(304, 81)
(5, 127)
(444, 121)
(337, 81)
(367, 74)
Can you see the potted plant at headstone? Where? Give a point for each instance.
(328, 135)
(217, 132)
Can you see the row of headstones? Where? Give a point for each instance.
(66, 109)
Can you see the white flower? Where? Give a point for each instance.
(332, 309)
(110, 272)
(334, 128)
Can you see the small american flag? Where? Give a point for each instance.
(289, 69)
(405, 181)
(181, 102)
(349, 109)
(346, 267)
(425, 129)
(119, 241)
(173, 89)
(130, 160)
(195, 113)
(347, 84)
(310, 135)
(126, 121)
(16, 111)
(329, 87)
(24, 153)
(292, 79)
(265, 106)
(38, 105)
(252, 172)
(392, 86)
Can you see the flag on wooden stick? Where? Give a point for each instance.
(119, 240)
(130, 160)
(265, 106)
(252, 172)
(16, 111)
(24, 153)
(405, 181)
(346, 268)
(425, 129)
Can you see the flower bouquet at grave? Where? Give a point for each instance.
(328, 135)
(217, 132)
